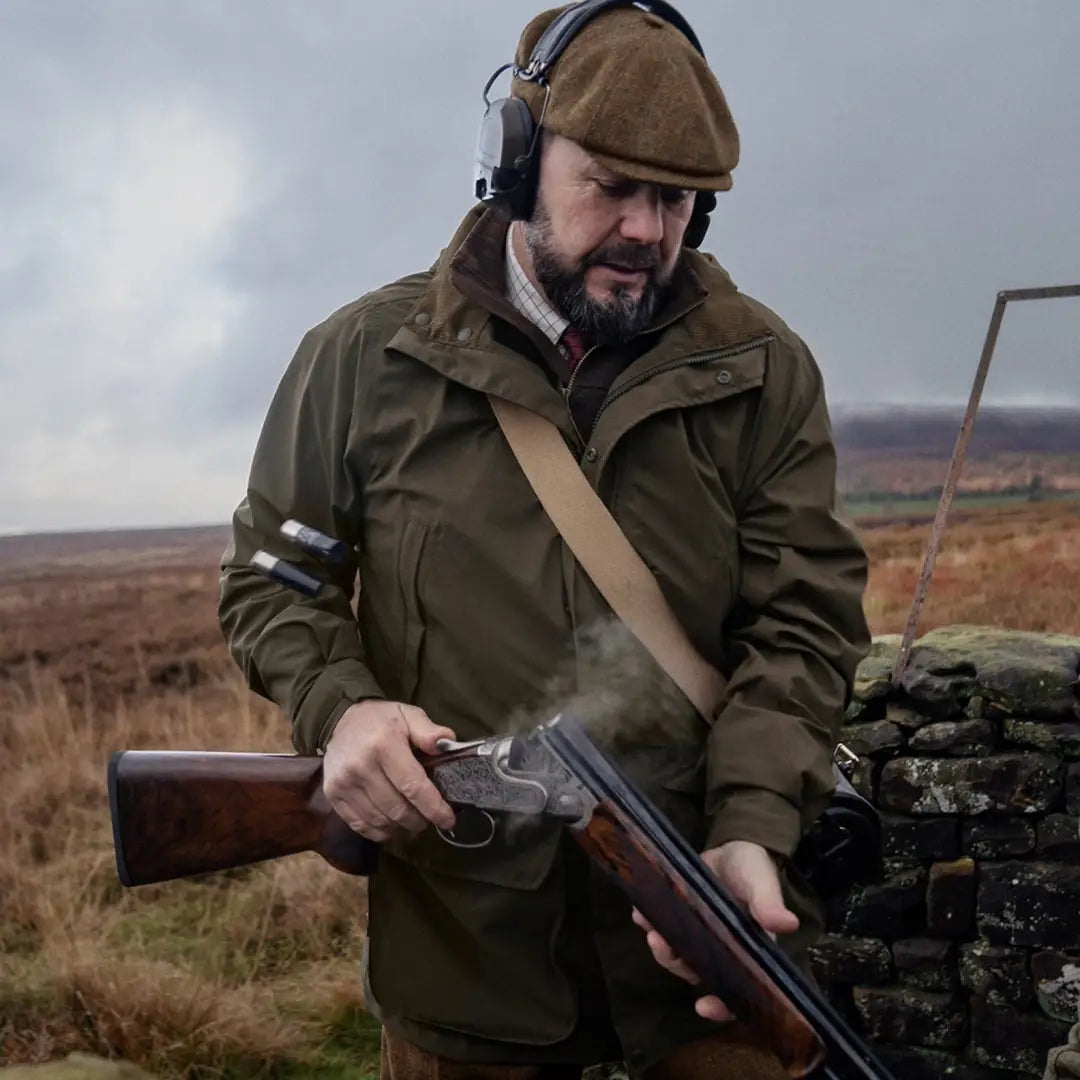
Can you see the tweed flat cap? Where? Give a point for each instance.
(633, 91)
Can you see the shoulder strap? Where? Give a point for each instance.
(605, 554)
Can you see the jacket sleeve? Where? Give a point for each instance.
(304, 654)
(797, 629)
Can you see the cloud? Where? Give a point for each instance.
(185, 189)
(115, 250)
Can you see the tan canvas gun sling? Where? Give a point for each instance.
(605, 554)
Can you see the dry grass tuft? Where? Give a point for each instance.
(217, 976)
(1017, 567)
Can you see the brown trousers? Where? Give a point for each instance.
(731, 1054)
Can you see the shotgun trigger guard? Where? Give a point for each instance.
(449, 835)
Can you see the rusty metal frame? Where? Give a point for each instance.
(953, 476)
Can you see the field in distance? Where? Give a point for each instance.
(893, 461)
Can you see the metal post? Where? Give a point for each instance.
(953, 476)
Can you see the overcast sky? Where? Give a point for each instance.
(186, 187)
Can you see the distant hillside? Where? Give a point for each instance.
(932, 430)
(903, 453)
(35, 553)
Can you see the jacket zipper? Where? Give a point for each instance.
(568, 389)
(685, 361)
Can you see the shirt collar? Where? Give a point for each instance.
(527, 298)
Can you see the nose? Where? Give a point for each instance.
(643, 216)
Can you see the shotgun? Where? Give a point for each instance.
(179, 813)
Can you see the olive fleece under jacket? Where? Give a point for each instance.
(712, 448)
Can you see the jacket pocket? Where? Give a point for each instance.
(519, 855)
(412, 636)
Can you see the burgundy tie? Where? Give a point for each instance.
(573, 346)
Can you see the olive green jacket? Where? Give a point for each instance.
(714, 453)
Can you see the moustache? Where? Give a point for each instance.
(629, 256)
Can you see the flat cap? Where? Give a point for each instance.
(635, 93)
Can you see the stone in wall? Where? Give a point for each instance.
(956, 738)
(926, 964)
(914, 1063)
(1034, 904)
(921, 839)
(864, 779)
(895, 1014)
(1058, 837)
(950, 897)
(1057, 984)
(998, 973)
(873, 678)
(918, 1063)
(1061, 739)
(905, 717)
(1015, 673)
(1072, 789)
(1020, 783)
(894, 908)
(940, 690)
(836, 959)
(873, 738)
(1005, 1038)
(997, 838)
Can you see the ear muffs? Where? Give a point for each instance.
(507, 164)
(507, 168)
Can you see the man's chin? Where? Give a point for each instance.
(605, 283)
(617, 298)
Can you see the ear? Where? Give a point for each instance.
(698, 226)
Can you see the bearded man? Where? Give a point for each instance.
(699, 419)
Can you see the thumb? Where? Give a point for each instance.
(423, 732)
(767, 907)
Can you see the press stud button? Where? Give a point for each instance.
(723, 377)
(422, 319)
(591, 454)
(464, 334)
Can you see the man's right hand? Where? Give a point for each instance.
(371, 776)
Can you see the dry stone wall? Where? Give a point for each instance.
(964, 960)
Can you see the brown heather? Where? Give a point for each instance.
(256, 972)
(1016, 566)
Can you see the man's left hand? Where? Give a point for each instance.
(748, 872)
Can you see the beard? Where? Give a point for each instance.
(621, 316)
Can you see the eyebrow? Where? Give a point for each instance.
(666, 190)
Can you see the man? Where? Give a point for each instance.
(699, 418)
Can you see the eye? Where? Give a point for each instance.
(674, 196)
(616, 189)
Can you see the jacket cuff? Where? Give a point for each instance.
(336, 688)
(760, 816)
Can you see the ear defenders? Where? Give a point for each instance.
(507, 162)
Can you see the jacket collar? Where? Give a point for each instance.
(454, 326)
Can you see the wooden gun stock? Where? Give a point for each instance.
(177, 813)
